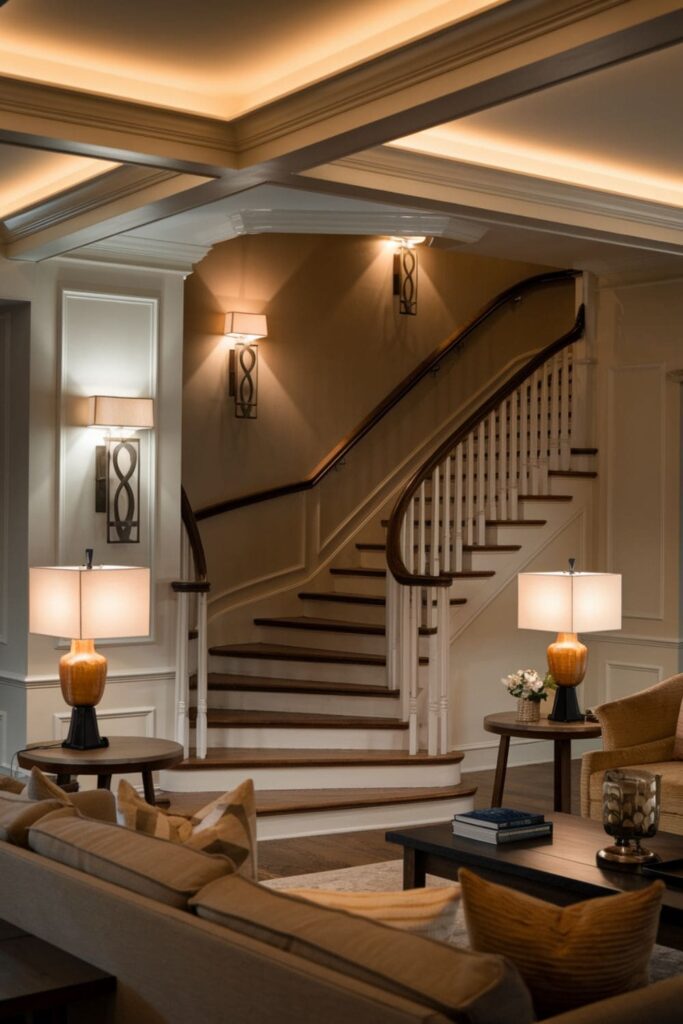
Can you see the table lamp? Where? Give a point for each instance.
(568, 603)
(80, 603)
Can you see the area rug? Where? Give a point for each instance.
(388, 875)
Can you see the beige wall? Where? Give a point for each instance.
(337, 346)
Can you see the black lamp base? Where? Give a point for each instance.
(83, 731)
(566, 706)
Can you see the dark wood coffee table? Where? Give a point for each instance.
(124, 755)
(561, 870)
(505, 725)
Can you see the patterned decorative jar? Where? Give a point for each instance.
(528, 710)
(630, 811)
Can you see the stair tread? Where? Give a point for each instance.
(370, 599)
(491, 522)
(381, 573)
(583, 451)
(283, 757)
(242, 719)
(589, 474)
(223, 681)
(287, 801)
(286, 652)
(545, 497)
(465, 547)
(332, 625)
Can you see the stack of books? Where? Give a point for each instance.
(501, 825)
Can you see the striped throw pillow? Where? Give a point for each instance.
(428, 912)
(226, 826)
(568, 956)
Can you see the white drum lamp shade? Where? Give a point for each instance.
(78, 603)
(117, 411)
(564, 602)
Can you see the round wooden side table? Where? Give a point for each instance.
(505, 725)
(125, 754)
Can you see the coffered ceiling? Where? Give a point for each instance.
(548, 127)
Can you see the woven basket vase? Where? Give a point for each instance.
(528, 710)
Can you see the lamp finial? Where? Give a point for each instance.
(88, 558)
(572, 563)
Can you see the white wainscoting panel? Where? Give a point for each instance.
(134, 721)
(636, 525)
(623, 678)
(109, 346)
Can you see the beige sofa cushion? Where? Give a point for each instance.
(678, 738)
(225, 826)
(8, 784)
(17, 815)
(152, 867)
(429, 912)
(454, 982)
(568, 956)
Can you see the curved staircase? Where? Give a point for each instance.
(308, 709)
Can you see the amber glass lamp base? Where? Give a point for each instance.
(82, 674)
(567, 659)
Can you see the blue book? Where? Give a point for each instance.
(500, 818)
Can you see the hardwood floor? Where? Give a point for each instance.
(529, 787)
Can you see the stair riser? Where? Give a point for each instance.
(475, 560)
(358, 585)
(374, 675)
(356, 819)
(306, 703)
(307, 739)
(524, 535)
(375, 614)
(215, 779)
(326, 640)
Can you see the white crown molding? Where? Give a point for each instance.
(471, 184)
(341, 222)
(425, 60)
(146, 253)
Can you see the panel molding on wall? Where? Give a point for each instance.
(146, 714)
(623, 678)
(109, 345)
(4, 470)
(636, 476)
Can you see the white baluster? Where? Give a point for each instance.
(458, 509)
(421, 530)
(202, 675)
(469, 491)
(514, 452)
(554, 446)
(502, 461)
(523, 440)
(434, 681)
(182, 680)
(444, 666)
(565, 439)
(446, 530)
(481, 484)
(413, 620)
(492, 467)
(534, 427)
(543, 434)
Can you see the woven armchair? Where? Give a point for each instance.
(638, 732)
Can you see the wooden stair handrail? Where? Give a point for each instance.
(395, 562)
(194, 537)
(428, 365)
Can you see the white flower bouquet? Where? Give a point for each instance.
(526, 684)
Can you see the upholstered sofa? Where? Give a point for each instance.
(638, 732)
(262, 956)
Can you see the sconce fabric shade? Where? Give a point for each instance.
(563, 602)
(246, 326)
(113, 411)
(78, 603)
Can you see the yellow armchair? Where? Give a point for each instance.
(638, 732)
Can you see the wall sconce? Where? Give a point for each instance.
(117, 463)
(244, 329)
(405, 273)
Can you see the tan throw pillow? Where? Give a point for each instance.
(165, 872)
(92, 803)
(568, 956)
(226, 826)
(39, 787)
(8, 784)
(17, 815)
(428, 912)
(678, 739)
